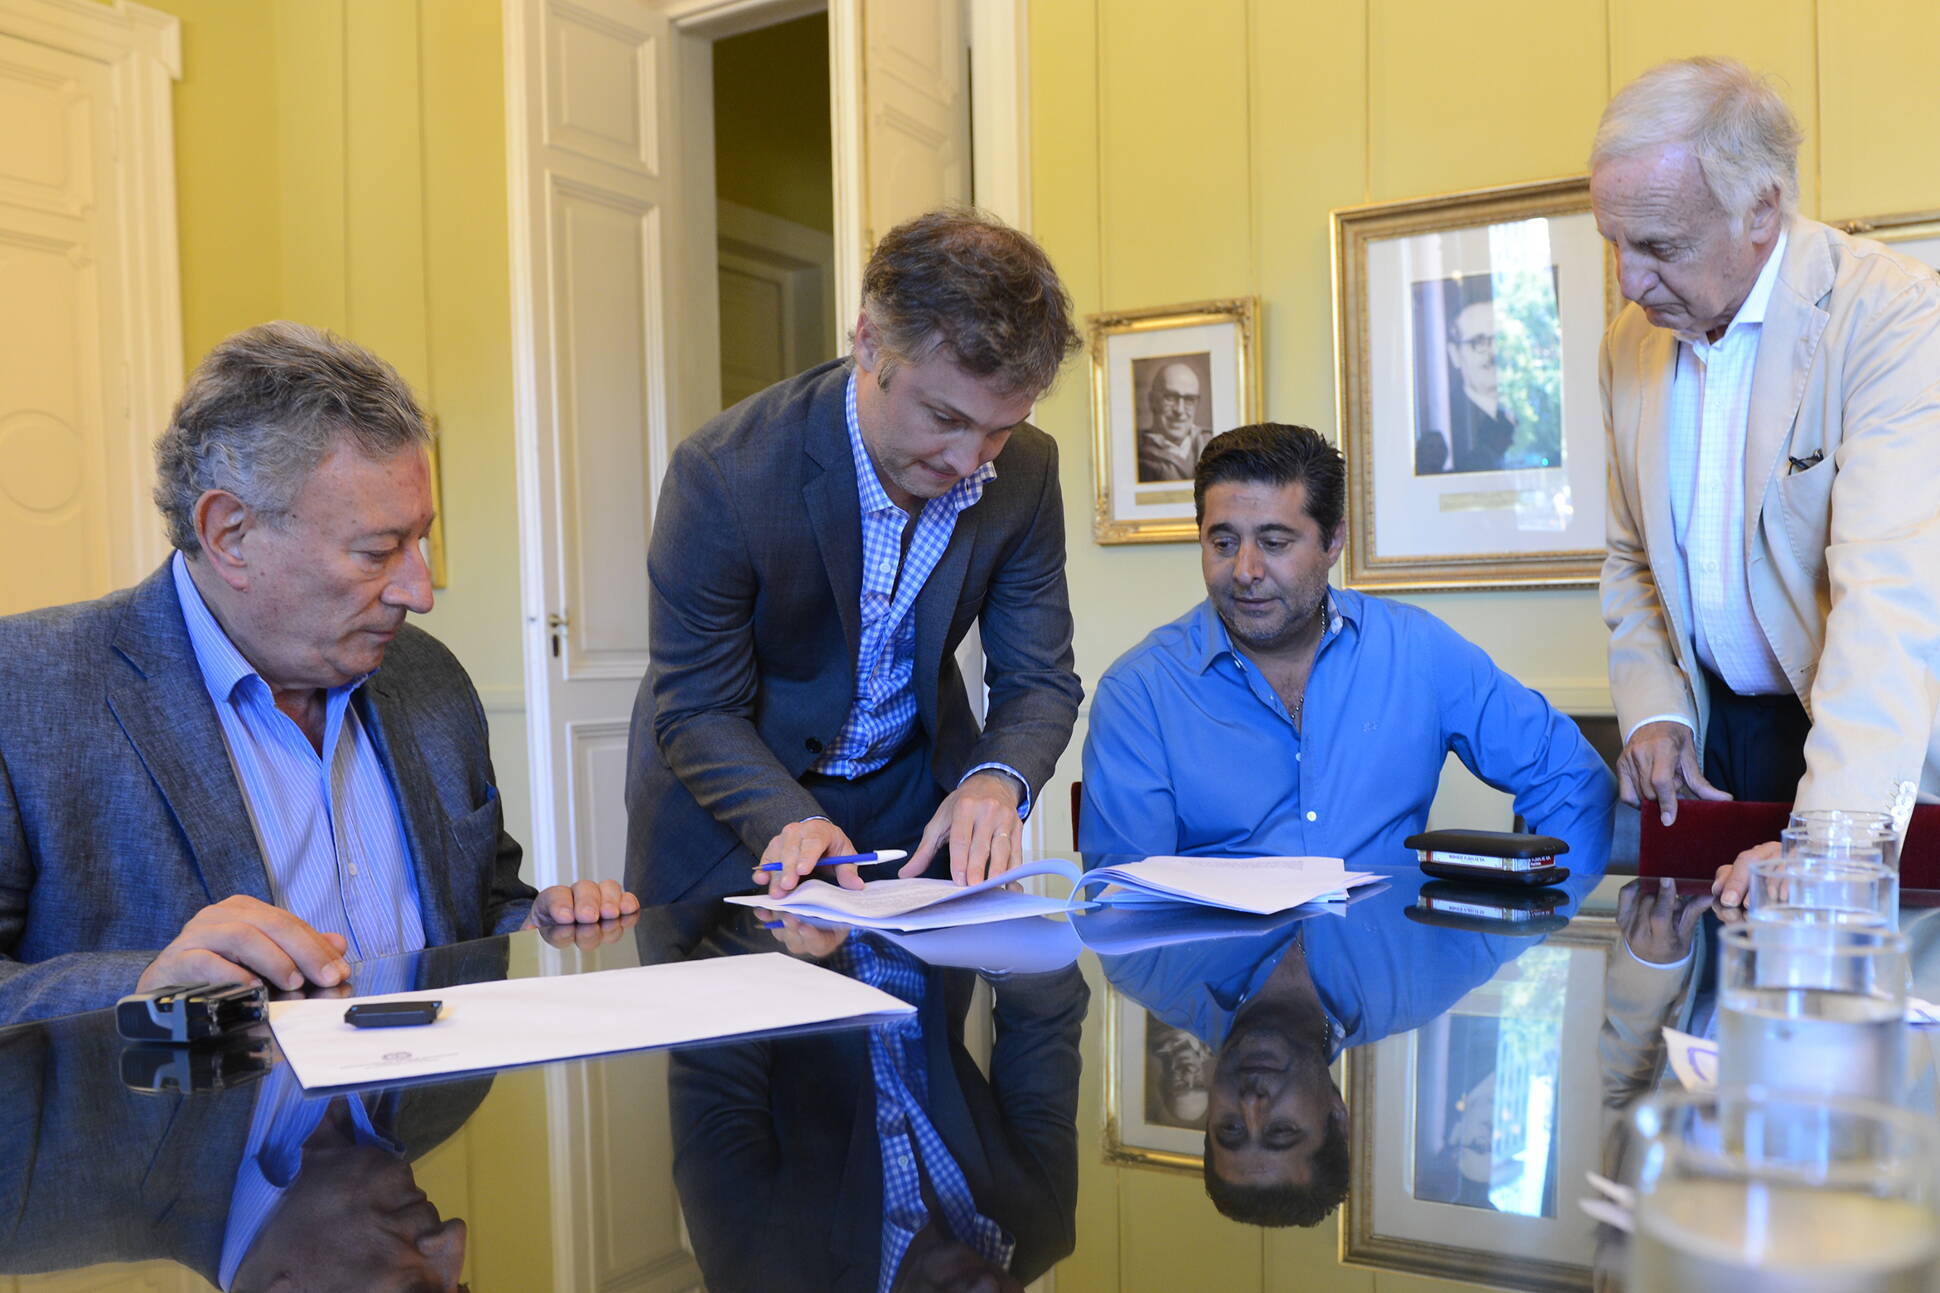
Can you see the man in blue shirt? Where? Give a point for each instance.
(1280, 716)
(248, 767)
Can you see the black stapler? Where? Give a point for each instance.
(182, 1013)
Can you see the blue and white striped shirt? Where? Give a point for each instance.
(282, 1121)
(328, 826)
(883, 708)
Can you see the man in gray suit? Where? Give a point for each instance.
(207, 777)
(819, 552)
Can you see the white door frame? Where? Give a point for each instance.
(142, 49)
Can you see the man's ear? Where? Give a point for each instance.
(868, 346)
(222, 522)
(1336, 543)
(1765, 218)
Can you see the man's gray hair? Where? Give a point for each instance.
(264, 408)
(1744, 138)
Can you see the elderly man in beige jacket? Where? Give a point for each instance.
(1772, 397)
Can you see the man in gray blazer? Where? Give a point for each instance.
(819, 552)
(208, 777)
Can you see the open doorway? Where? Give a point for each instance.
(774, 189)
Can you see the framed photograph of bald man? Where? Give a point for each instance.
(1467, 328)
(1156, 1083)
(1164, 381)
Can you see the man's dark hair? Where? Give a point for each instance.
(957, 278)
(1276, 453)
(1288, 1205)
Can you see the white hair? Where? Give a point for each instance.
(1745, 140)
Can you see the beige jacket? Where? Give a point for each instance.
(1843, 557)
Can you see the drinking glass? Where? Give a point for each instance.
(1746, 1188)
(1849, 888)
(1839, 828)
(1813, 1007)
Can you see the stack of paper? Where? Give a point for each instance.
(919, 903)
(529, 1021)
(1262, 886)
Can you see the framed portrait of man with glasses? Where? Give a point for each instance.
(1467, 327)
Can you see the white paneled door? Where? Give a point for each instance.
(591, 190)
(90, 340)
(591, 160)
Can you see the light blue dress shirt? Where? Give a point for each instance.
(328, 825)
(883, 708)
(1190, 751)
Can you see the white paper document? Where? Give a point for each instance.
(1694, 1060)
(1262, 886)
(530, 1021)
(920, 903)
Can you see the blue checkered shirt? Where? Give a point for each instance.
(912, 1149)
(883, 708)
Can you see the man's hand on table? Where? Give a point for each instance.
(588, 937)
(1658, 761)
(800, 848)
(1658, 923)
(583, 902)
(1734, 881)
(245, 940)
(979, 820)
(801, 938)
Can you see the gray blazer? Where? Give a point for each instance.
(121, 817)
(755, 577)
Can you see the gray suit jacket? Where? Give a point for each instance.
(121, 817)
(755, 603)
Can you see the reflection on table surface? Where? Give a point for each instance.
(1426, 1073)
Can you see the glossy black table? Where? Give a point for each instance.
(1456, 1064)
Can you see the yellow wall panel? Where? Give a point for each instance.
(227, 161)
(1174, 156)
(1776, 37)
(1309, 134)
(309, 109)
(384, 186)
(1879, 107)
(1172, 1239)
(468, 333)
(1466, 95)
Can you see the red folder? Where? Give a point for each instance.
(1708, 835)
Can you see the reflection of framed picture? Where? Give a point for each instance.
(1155, 1089)
(1467, 329)
(1914, 233)
(1163, 382)
(1472, 1133)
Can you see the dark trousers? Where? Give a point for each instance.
(887, 808)
(1754, 746)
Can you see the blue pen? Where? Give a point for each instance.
(851, 859)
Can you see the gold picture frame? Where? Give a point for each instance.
(1132, 1136)
(1917, 233)
(1386, 1227)
(1206, 357)
(1473, 461)
(434, 542)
